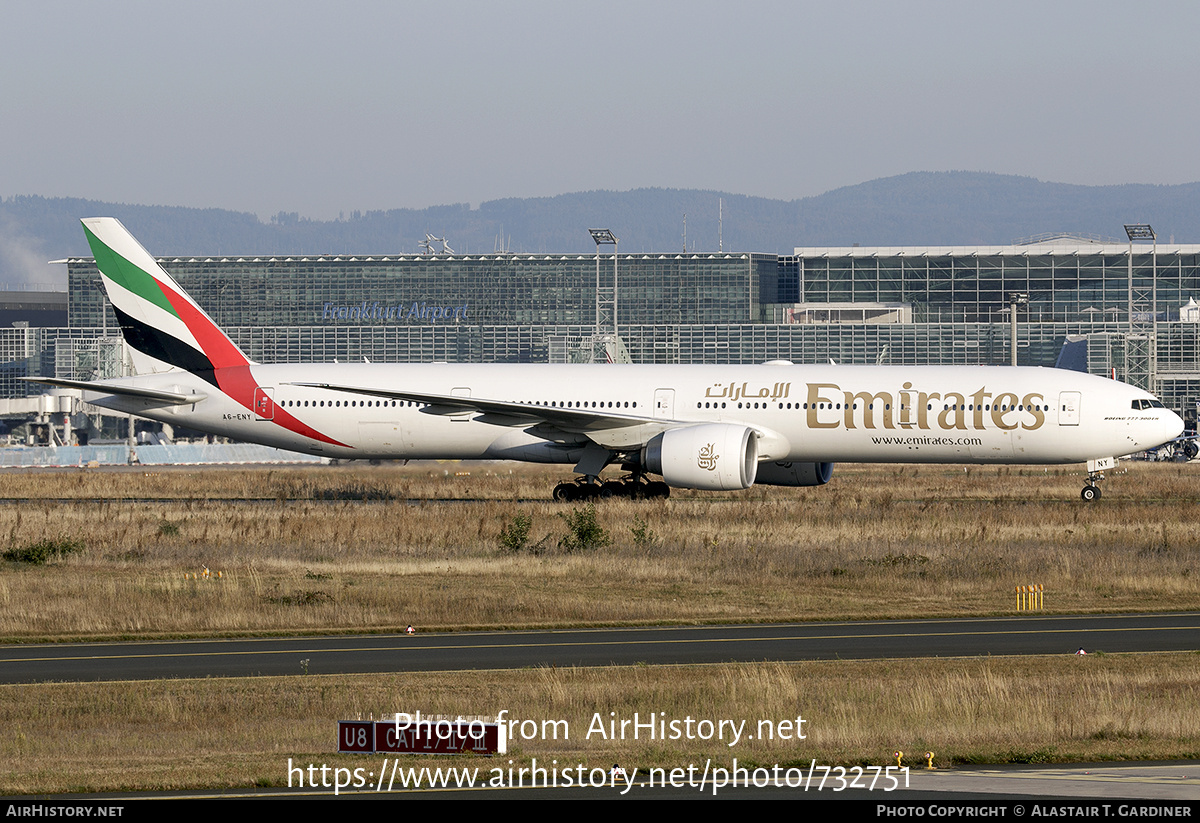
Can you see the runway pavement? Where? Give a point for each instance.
(598, 647)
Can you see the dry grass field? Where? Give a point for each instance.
(449, 546)
(363, 548)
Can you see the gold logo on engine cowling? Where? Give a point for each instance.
(707, 460)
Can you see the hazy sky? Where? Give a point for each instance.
(328, 107)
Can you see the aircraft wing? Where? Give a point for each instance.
(105, 387)
(610, 429)
(567, 419)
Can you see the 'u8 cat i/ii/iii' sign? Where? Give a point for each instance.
(417, 734)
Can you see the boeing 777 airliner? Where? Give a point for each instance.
(696, 427)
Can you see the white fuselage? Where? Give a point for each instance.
(822, 413)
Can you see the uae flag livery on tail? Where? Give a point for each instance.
(157, 317)
(167, 330)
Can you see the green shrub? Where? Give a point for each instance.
(643, 536)
(44, 551)
(514, 535)
(584, 532)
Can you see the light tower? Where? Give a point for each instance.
(1015, 298)
(1141, 337)
(606, 345)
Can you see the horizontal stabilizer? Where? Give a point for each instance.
(106, 387)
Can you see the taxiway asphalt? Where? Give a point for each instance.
(675, 645)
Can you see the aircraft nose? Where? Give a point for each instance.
(1172, 425)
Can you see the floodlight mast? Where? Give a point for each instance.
(1141, 339)
(606, 296)
(1015, 298)
(606, 337)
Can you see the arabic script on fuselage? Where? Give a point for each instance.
(829, 406)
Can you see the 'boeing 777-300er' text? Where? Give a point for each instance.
(697, 427)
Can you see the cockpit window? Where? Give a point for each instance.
(1138, 405)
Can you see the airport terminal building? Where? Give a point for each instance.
(890, 305)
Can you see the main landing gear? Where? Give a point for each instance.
(632, 487)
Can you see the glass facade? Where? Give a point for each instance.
(902, 305)
(1068, 282)
(488, 290)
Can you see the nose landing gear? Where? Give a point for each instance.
(1091, 491)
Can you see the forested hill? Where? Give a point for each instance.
(921, 208)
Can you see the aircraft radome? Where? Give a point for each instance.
(696, 427)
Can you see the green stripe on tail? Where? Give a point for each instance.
(127, 275)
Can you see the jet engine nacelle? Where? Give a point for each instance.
(794, 474)
(712, 456)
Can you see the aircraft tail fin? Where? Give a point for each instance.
(163, 326)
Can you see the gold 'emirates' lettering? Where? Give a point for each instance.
(829, 407)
